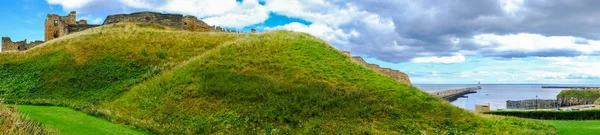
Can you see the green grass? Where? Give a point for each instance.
(176, 82)
(569, 127)
(552, 114)
(70, 122)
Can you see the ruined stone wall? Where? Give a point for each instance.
(82, 22)
(176, 21)
(78, 28)
(34, 44)
(191, 23)
(170, 20)
(397, 75)
(57, 26)
(54, 27)
(9, 46)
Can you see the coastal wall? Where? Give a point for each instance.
(577, 97)
(397, 75)
(531, 104)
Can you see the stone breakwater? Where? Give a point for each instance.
(532, 104)
(397, 75)
(453, 94)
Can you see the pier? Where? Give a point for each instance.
(453, 94)
(572, 87)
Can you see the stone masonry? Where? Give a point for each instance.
(532, 104)
(56, 26)
(9, 46)
(397, 75)
(176, 21)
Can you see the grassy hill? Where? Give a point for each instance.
(164, 81)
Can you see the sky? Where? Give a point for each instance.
(433, 41)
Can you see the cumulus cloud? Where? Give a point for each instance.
(228, 13)
(402, 30)
(445, 60)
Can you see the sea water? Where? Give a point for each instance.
(497, 94)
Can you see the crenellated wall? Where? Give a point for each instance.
(399, 76)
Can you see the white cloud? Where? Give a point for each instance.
(332, 35)
(248, 13)
(534, 42)
(92, 20)
(228, 13)
(458, 58)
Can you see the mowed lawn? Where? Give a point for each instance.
(66, 121)
(572, 127)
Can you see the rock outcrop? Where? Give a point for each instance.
(397, 75)
(577, 97)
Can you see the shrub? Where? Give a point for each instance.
(11, 123)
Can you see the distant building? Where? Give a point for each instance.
(481, 108)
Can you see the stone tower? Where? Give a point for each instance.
(55, 25)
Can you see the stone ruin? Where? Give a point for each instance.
(397, 75)
(57, 26)
(9, 46)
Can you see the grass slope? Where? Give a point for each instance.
(174, 82)
(70, 122)
(570, 127)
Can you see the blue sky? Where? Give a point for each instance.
(442, 42)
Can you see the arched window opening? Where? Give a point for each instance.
(55, 22)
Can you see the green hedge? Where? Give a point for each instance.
(552, 115)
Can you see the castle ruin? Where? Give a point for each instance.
(57, 26)
(9, 46)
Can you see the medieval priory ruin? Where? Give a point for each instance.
(57, 26)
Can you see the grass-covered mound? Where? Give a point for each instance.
(185, 83)
(98, 64)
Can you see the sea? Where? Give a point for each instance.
(496, 95)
